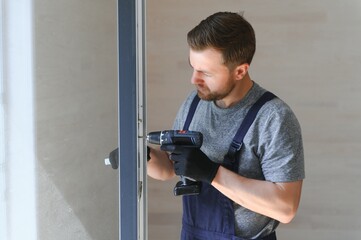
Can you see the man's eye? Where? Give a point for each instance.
(207, 74)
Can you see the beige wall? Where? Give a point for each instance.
(308, 54)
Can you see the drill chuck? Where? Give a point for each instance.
(154, 137)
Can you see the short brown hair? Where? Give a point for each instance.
(227, 32)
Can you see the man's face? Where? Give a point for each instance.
(211, 77)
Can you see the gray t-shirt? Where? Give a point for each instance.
(272, 149)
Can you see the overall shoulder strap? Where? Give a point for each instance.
(192, 110)
(246, 124)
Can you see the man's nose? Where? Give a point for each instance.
(196, 78)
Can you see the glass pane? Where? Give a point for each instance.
(75, 52)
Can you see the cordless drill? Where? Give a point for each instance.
(182, 138)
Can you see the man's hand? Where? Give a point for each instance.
(192, 162)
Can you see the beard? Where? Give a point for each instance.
(206, 94)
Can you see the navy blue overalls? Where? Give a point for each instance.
(210, 215)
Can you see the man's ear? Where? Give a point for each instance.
(240, 71)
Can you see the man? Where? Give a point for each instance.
(244, 196)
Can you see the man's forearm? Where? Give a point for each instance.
(276, 200)
(159, 166)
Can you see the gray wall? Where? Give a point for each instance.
(308, 54)
(76, 118)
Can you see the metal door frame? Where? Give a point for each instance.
(132, 125)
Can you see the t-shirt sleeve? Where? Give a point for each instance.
(281, 147)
